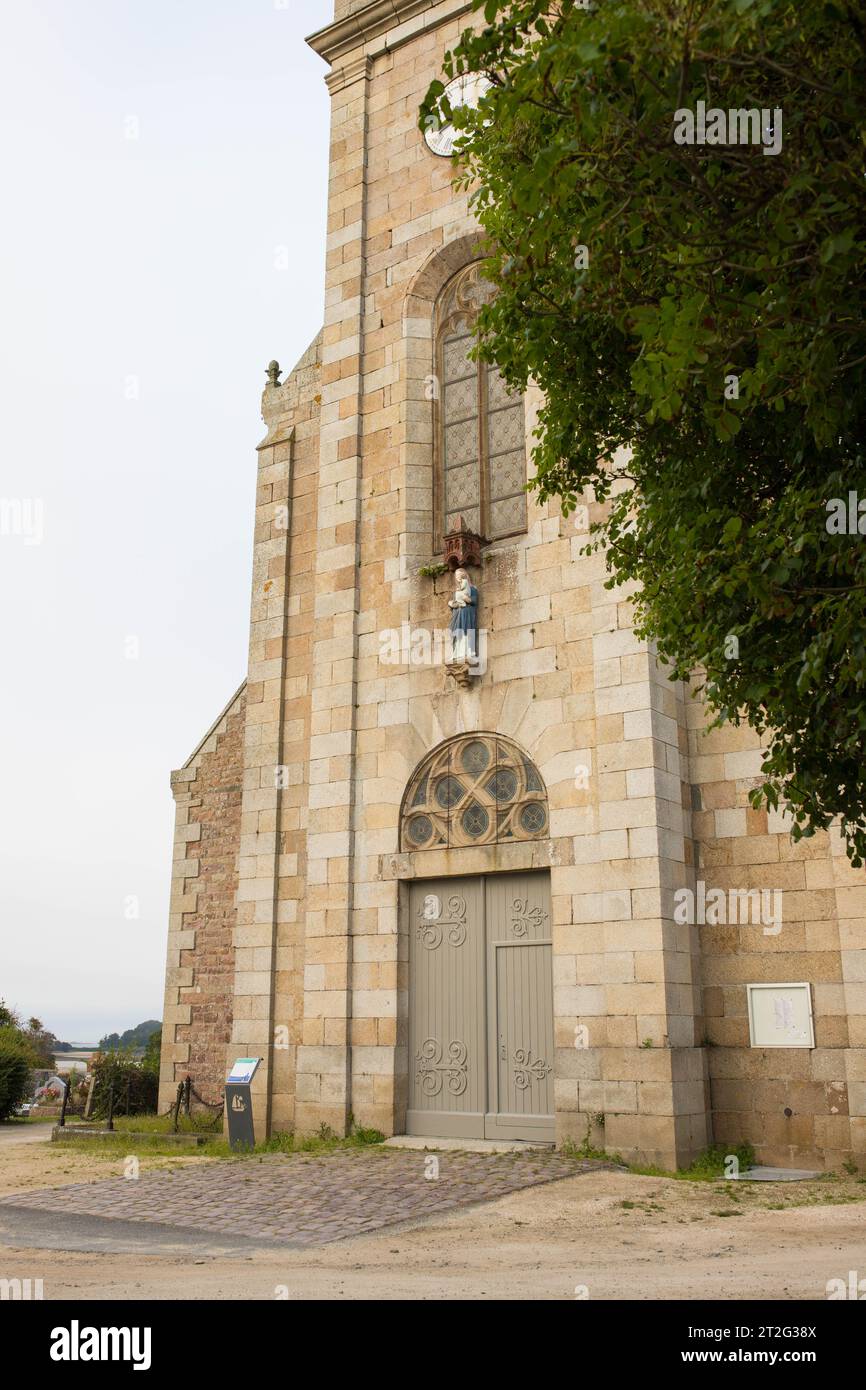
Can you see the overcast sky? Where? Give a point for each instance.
(162, 238)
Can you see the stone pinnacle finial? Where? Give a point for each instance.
(273, 373)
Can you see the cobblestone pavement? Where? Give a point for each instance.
(307, 1200)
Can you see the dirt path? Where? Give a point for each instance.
(618, 1235)
(24, 1134)
(29, 1160)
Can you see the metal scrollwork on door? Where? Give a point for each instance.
(431, 1071)
(528, 1068)
(525, 918)
(431, 923)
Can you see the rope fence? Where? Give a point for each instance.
(186, 1093)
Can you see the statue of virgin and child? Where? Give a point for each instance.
(464, 620)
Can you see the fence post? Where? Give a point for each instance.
(111, 1107)
(64, 1102)
(177, 1106)
(187, 1086)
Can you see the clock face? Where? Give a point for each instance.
(463, 91)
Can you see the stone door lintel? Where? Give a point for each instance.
(476, 859)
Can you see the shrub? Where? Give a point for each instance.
(136, 1088)
(15, 1080)
(150, 1060)
(713, 1162)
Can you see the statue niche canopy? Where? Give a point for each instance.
(476, 789)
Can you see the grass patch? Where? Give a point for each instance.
(585, 1150)
(817, 1199)
(709, 1166)
(569, 1149)
(199, 1122)
(363, 1136)
(123, 1139)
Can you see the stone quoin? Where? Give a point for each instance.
(449, 907)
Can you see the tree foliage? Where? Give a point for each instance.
(153, 1052)
(33, 1039)
(133, 1037)
(15, 1080)
(43, 1044)
(135, 1086)
(701, 307)
(15, 1062)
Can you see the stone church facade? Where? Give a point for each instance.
(475, 902)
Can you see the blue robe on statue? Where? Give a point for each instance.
(464, 628)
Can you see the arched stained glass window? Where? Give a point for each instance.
(480, 424)
(476, 789)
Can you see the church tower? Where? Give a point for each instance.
(434, 888)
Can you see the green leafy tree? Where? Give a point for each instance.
(15, 1063)
(8, 1017)
(42, 1043)
(133, 1037)
(14, 1035)
(135, 1086)
(150, 1060)
(694, 315)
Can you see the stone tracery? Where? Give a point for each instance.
(476, 789)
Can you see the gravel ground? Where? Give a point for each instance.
(608, 1235)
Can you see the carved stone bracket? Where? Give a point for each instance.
(462, 673)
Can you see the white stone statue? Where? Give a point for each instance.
(464, 620)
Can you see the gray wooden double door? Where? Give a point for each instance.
(481, 1008)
